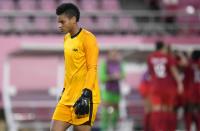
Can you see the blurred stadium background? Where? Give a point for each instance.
(32, 62)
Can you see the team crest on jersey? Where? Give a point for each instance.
(74, 49)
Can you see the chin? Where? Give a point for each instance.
(64, 32)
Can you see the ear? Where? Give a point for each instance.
(73, 19)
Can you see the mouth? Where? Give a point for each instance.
(61, 30)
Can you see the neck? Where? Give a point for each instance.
(74, 30)
(162, 51)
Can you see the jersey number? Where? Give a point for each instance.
(160, 70)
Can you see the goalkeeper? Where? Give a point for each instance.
(111, 72)
(81, 96)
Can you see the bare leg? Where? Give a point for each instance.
(82, 128)
(59, 125)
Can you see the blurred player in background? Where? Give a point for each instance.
(111, 72)
(81, 96)
(144, 88)
(180, 61)
(193, 91)
(165, 79)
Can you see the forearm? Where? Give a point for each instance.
(91, 77)
(175, 74)
(183, 60)
(103, 73)
(91, 55)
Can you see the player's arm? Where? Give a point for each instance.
(183, 60)
(176, 76)
(91, 54)
(103, 74)
(123, 75)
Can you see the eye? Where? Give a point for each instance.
(61, 22)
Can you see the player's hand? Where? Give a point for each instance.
(82, 104)
(116, 76)
(180, 88)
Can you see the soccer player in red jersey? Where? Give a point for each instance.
(163, 73)
(193, 95)
(144, 88)
(180, 62)
(198, 96)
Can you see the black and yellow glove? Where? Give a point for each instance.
(82, 104)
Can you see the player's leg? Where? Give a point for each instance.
(104, 116)
(198, 118)
(170, 109)
(144, 89)
(189, 115)
(59, 125)
(198, 109)
(114, 115)
(156, 118)
(190, 107)
(82, 127)
(109, 99)
(147, 113)
(169, 117)
(156, 115)
(61, 118)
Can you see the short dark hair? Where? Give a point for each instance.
(159, 45)
(195, 55)
(69, 9)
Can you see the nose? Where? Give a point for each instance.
(59, 25)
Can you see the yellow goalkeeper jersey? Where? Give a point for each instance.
(81, 55)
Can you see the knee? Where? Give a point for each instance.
(157, 108)
(52, 129)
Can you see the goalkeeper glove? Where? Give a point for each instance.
(82, 104)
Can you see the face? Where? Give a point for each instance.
(169, 49)
(165, 49)
(113, 55)
(65, 24)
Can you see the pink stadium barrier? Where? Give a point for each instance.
(34, 72)
(89, 5)
(4, 26)
(48, 5)
(107, 23)
(7, 5)
(127, 24)
(22, 27)
(68, 1)
(133, 79)
(27, 5)
(112, 5)
(42, 24)
(86, 23)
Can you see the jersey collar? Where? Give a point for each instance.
(76, 34)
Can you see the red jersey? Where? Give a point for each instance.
(193, 91)
(195, 74)
(159, 68)
(187, 76)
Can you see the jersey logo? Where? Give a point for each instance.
(74, 49)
